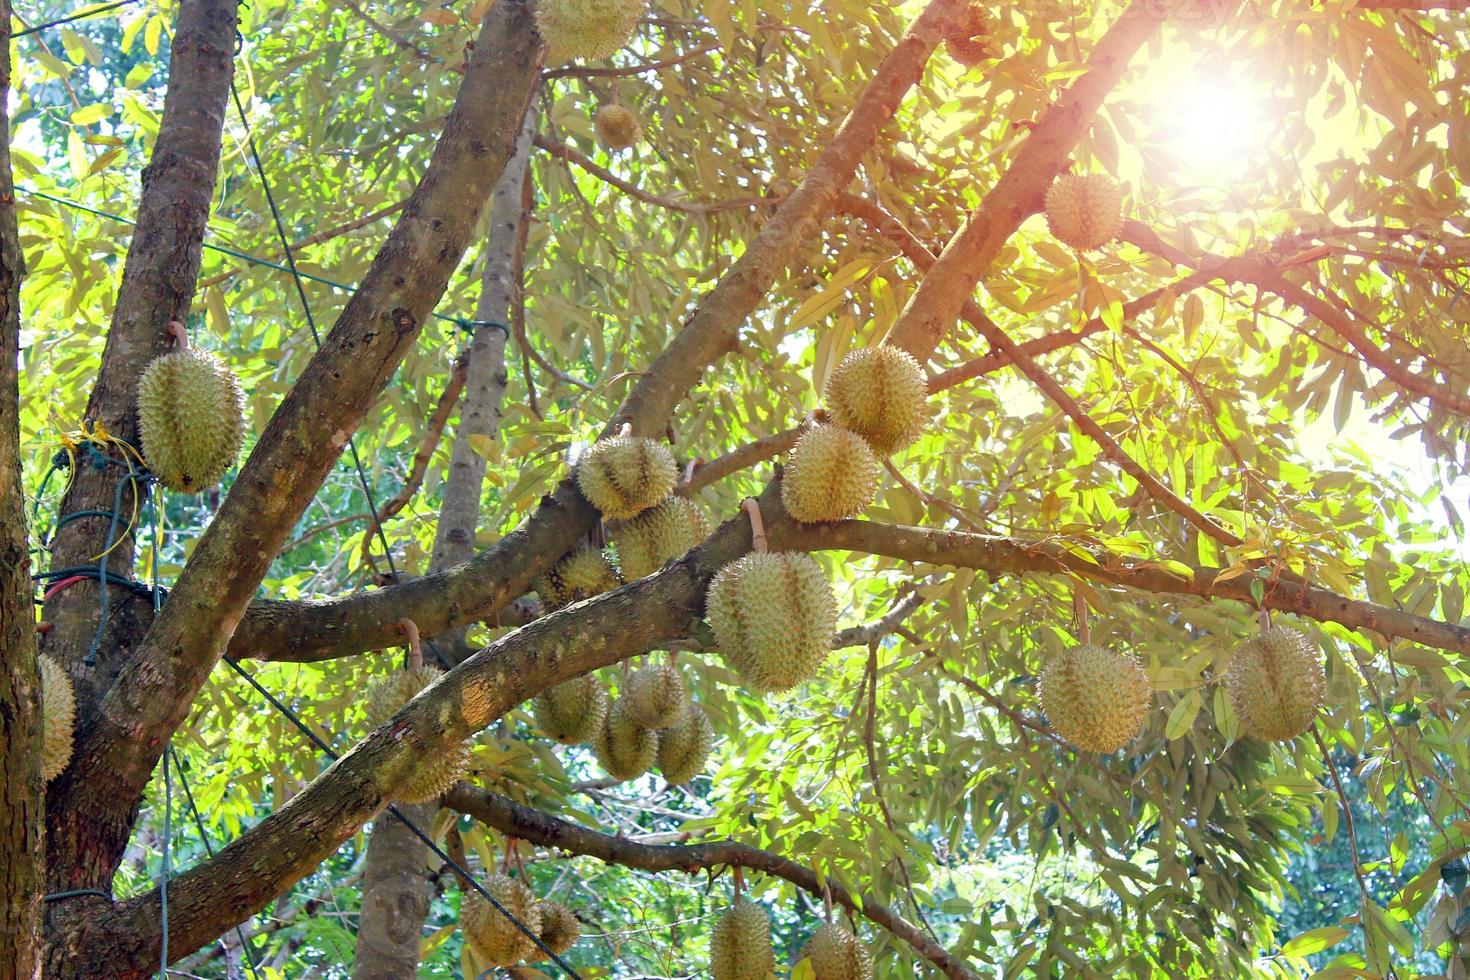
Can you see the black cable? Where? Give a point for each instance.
(79, 15)
(58, 896)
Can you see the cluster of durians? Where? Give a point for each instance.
(740, 948)
(1098, 699)
(498, 941)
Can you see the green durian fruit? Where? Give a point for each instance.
(559, 927)
(623, 476)
(573, 711)
(684, 749)
(655, 696)
(58, 717)
(191, 414)
(1095, 698)
(586, 30)
(740, 947)
(773, 615)
(616, 126)
(659, 534)
(625, 748)
(1276, 684)
(494, 937)
(584, 573)
(831, 475)
(1085, 211)
(433, 776)
(880, 394)
(836, 954)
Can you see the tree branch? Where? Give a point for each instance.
(584, 71)
(325, 235)
(566, 153)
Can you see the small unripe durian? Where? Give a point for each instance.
(586, 30)
(659, 534)
(191, 415)
(494, 937)
(831, 476)
(1276, 684)
(966, 35)
(573, 711)
(616, 126)
(836, 954)
(433, 776)
(58, 716)
(773, 615)
(740, 946)
(625, 748)
(880, 394)
(684, 748)
(1095, 698)
(623, 476)
(1085, 211)
(584, 573)
(655, 696)
(559, 928)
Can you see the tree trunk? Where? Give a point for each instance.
(396, 889)
(21, 803)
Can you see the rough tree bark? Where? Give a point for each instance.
(21, 802)
(396, 886)
(83, 838)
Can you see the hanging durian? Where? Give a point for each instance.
(659, 534)
(831, 476)
(655, 696)
(573, 711)
(740, 946)
(880, 394)
(433, 775)
(625, 748)
(773, 615)
(684, 748)
(836, 954)
(584, 573)
(58, 717)
(1095, 698)
(1276, 684)
(191, 416)
(559, 928)
(1085, 211)
(616, 126)
(623, 476)
(586, 30)
(966, 35)
(491, 934)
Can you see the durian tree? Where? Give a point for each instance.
(936, 489)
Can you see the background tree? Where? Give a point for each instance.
(1255, 398)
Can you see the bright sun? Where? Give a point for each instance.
(1208, 120)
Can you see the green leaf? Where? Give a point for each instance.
(1314, 941)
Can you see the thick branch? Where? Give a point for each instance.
(546, 830)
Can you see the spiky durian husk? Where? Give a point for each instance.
(496, 939)
(433, 776)
(623, 476)
(740, 946)
(1085, 210)
(836, 954)
(58, 716)
(880, 394)
(831, 476)
(655, 696)
(659, 534)
(616, 126)
(559, 927)
(625, 748)
(586, 30)
(1276, 684)
(1095, 698)
(573, 711)
(773, 615)
(965, 35)
(584, 573)
(684, 748)
(191, 415)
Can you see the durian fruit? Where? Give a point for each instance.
(622, 476)
(586, 30)
(616, 126)
(584, 573)
(1276, 684)
(880, 394)
(659, 534)
(559, 928)
(625, 748)
(684, 748)
(965, 35)
(573, 711)
(1095, 698)
(435, 775)
(1085, 210)
(740, 946)
(655, 696)
(494, 937)
(191, 414)
(773, 615)
(58, 716)
(832, 475)
(837, 954)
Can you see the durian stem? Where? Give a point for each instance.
(739, 884)
(689, 469)
(179, 334)
(757, 525)
(1265, 619)
(415, 657)
(626, 430)
(827, 900)
(1079, 614)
